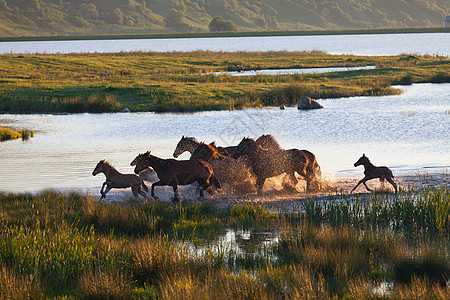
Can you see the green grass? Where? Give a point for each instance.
(148, 81)
(11, 134)
(70, 246)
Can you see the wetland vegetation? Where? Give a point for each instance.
(149, 81)
(363, 246)
(11, 134)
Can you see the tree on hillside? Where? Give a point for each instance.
(175, 20)
(219, 24)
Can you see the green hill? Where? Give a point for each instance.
(50, 17)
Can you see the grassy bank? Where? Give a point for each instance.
(224, 34)
(174, 82)
(11, 134)
(71, 246)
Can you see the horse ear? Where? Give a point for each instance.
(182, 136)
(364, 155)
(148, 153)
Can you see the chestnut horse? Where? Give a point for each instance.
(115, 179)
(177, 172)
(190, 144)
(235, 174)
(372, 172)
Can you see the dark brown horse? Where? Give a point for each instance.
(267, 141)
(372, 172)
(115, 179)
(269, 159)
(190, 144)
(173, 172)
(270, 162)
(235, 174)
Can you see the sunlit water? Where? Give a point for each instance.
(290, 71)
(358, 44)
(409, 133)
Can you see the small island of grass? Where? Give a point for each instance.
(188, 81)
(11, 134)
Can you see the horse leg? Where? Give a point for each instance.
(176, 197)
(364, 182)
(259, 184)
(391, 181)
(135, 191)
(361, 181)
(101, 191)
(140, 191)
(158, 183)
(108, 188)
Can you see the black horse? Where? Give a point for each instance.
(372, 172)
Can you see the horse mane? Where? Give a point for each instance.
(207, 149)
(268, 141)
(108, 164)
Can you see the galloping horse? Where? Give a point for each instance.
(372, 172)
(267, 141)
(190, 144)
(274, 161)
(177, 172)
(235, 174)
(115, 179)
(269, 159)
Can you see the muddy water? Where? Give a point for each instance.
(409, 133)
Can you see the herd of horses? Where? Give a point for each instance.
(239, 169)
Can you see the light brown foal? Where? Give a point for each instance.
(115, 179)
(372, 172)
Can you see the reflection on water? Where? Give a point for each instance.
(409, 133)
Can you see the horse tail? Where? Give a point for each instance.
(144, 186)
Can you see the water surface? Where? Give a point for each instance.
(358, 44)
(409, 133)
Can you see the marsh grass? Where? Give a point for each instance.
(70, 246)
(148, 81)
(11, 134)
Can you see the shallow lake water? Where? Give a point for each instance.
(358, 44)
(289, 71)
(409, 133)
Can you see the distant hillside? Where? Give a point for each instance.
(43, 17)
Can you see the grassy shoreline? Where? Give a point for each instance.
(173, 82)
(227, 34)
(71, 246)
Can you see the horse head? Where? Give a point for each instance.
(363, 160)
(99, 167)
(141, 162)
(247, 145)
(185, 144)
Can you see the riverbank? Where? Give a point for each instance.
(175, 82)
(223, 34)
